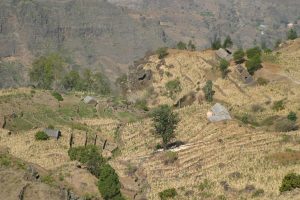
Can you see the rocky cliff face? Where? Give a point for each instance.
(107, 35)
(93, 33)
(247, 22)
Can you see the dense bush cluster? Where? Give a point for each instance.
(208, 91)
(173, 87)
(168, 194)
(57, 96)
(41, 135)
(49, 72)
(290, 182)
(162, 52)
(108, 184)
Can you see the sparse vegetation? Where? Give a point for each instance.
(216, 43)
(181, 45)
(162, 52)
(170, 157)
(165, 122)
(292, 34)
(41, 135)
(208, 91)
(292, 116)
(173, 87)
(285, 125)
(168, 194)
(238, 56)
(278, 105)
(191, 46)
(224, 64)
(262, 81)
(227, 42)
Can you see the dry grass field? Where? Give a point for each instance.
(244, 158)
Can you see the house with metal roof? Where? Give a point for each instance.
(52, 133)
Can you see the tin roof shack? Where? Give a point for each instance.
(53, 133)
(243, 74)
(90, 100)
(218, 113)
(224, 54)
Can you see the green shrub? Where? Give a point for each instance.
(253, 52)
(162, 52)
(278, 105)
(170, 157)
(227, 42)
(224, 64)
(168, 194)
(208, 91)
(41, 135)
(89, 155)
(253, 64)
(108, 184)
(49, 180)
(292, 34)
(57, 96)
(238, 56)
(181, 45)
(216, 43)
(173, 87)
(191, 46)
(292, 116)
(141, 104)
(290, 182)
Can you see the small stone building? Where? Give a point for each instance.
(53, 133)
(224, 54)
(218, 113)
(243, 74)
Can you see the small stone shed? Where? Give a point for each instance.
(243, 74)
(218, 113)
(224, 54)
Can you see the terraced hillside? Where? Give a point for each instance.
(243, 158)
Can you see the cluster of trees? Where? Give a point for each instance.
(216, 43)
(50, 71)
(253, 61)
(108, 183)
(183, 46)
(208, 91)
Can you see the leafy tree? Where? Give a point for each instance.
(208, 91)
(216, 43)
(191, 46)
(290, 182)
(253, 64)
(181, 45)
(41, 135)
(46, 70)
(165, 122)
(162, 52)
(101, 84)
(108, 184)
(72, 81)
(253, 52)
(238, 56)
(292, 34)
(292, 116)
(224, 64)
(227, 42)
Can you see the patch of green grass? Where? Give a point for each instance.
(168, 194)
(206, 185)
(127, 116)
(5, 160)
(48, 179)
